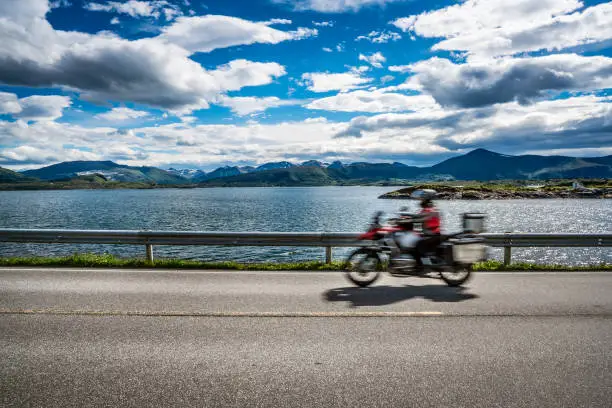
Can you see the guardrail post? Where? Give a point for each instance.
(149, 252)
(507, 255)
(328, 255)
(507, 249)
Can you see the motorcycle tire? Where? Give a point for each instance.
(458, 276)
(363, 267)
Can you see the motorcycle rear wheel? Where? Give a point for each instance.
(363, 267)
(457, 276)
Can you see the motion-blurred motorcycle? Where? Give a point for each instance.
(392, 247)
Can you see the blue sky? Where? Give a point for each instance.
(199, 84)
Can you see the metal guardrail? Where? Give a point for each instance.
(328, 240)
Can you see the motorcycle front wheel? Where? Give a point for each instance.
(363, 267)
(457, 276)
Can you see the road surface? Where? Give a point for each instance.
(274, 339)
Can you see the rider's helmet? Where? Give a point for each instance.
(426, 196)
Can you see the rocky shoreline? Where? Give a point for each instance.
(456, 193)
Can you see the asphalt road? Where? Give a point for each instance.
(150, 338)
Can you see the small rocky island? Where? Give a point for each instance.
(503, 191)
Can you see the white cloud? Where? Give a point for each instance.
(114, 20)
(241, 73)
(138, 8)
(333, 6)
(324, 81)
(374, 102)
(380, 37)
(22, 11)
(386, 78)
(375, 59)
(206, 33)
(507, 27)
(122, 114)
(503, 80)
(476, 15)
(9, 103)
(277, 21)
(35, 107)
(43, 107)
(590, 26)
(323, 23)
(326, 49)
(152, 71)
(400, 68)
(245, 105)
(59, 3)
(574, 124)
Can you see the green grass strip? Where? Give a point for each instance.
(524, 266)
(110, 261)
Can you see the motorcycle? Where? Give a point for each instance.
(392, 248)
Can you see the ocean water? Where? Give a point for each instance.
(319, 209)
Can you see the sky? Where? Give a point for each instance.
(202, 84)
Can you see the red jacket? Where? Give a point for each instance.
(431, 223)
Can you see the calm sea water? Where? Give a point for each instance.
(346, 209)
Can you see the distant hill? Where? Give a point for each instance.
(187, 173)
(478, 165)
(275, 165)
(286, 177)
(376, 171)
(481, 164)
(110, 170)
(10, 176)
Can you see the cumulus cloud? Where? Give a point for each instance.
(9, 103)
(507, 27)
(379, 37)
(333, 6)
(35, 107)
(375, 59)
(324, 81)
(154, 71)
(160, 145)
(574, 123)
(504, 80)
(206, 33)
(21, 11)
(138, 8)
(374, 102)
(122, 114)
(245, 105)
(43, 107)
(571, 125)
(323, 23)
(241, 73)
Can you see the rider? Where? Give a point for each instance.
(429, 217)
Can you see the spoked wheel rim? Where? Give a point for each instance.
(363, 267)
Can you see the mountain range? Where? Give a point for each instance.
(479, 164)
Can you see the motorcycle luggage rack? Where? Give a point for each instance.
(473, 223)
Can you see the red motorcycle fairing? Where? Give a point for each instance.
(377, 232)
(369, 236)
